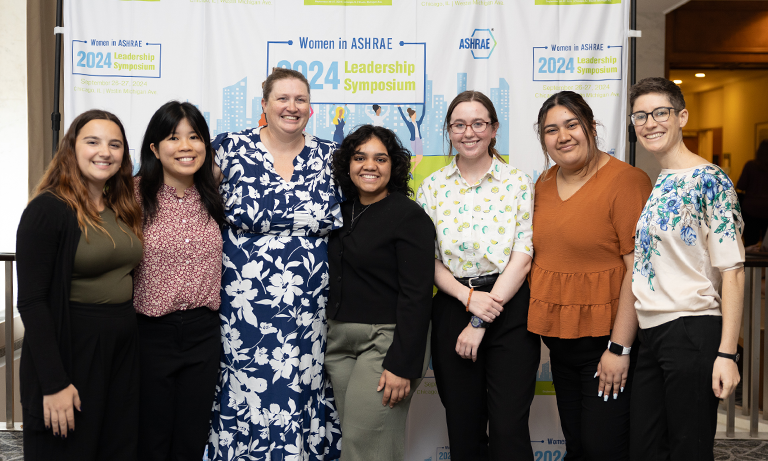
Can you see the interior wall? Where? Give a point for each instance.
(745, 103)
(736, 107)
(650, 63)
(13, 119)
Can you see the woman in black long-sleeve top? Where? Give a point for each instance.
(381, 273)
(78, 241)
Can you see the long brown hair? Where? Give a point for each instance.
(64, 179)
(469, 96)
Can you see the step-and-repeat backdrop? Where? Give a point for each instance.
(130, 57)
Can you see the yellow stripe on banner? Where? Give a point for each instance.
(349, 2)
(577, 2)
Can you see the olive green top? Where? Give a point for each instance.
(102, 270)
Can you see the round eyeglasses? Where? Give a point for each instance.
(477, 127)
(660, 114)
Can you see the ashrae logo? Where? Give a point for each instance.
(481, 43)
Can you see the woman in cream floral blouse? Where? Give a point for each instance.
(484, 358)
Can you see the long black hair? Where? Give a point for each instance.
(162, 124)
(399, 156)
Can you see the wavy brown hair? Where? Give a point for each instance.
(64, 179)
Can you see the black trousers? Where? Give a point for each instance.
(496, 391)
(594, 429)
(179, 369)
(105, 372)
(674, 410)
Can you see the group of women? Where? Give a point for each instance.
(269, 292)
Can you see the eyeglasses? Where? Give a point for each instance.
(477, 127)
(660, 114)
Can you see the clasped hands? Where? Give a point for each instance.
(486, 306)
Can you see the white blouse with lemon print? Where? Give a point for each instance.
(479, 225)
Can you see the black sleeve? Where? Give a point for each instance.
(37, 247)
(414, 249)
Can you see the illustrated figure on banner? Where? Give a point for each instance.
(338, 121)
(272, 398)
(376, 115)
(414, 126)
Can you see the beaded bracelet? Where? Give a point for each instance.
(469, 298)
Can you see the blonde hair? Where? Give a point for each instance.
(339, 114)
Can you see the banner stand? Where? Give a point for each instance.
(56, 115)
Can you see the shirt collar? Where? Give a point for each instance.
(169, 191)
(494, 170)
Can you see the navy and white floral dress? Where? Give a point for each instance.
(272, 399)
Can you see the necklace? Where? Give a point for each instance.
(365, 208)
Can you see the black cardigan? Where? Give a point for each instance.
(46, 243)
(381, 271)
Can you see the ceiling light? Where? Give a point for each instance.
(700, 74)
(677, 82)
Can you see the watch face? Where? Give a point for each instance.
(616, 349)
(476, 322)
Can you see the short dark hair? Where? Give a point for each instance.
(281, 73)
(163, 123)
(657, 85)
(376, 107)
(469, 96)
(399, 156)
(579, 107)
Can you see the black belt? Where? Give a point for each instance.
(481, 281)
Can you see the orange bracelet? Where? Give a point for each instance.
(469, 298)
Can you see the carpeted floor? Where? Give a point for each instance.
(725, 450)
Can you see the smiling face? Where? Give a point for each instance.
(370, 168)
(565, 140)
(660, 137)
(182, 153)
(99, 151)
(471, 145)
(287, 109)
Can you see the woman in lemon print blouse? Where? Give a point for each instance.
(484, 358)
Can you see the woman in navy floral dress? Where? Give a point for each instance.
(272, 402)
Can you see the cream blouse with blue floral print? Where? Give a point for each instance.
(479, 225)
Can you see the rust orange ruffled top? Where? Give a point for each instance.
(577, 266)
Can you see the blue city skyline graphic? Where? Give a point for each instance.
(544, 373)
(236, 116)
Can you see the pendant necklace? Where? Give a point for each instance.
(365, 208)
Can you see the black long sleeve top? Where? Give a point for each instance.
(382, 268)
(46, 243)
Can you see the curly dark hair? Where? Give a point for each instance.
(399, 156)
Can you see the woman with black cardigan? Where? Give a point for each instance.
(381, 272)
(77, 243)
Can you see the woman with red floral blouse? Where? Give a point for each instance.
(177, 284)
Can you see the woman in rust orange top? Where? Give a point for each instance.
(585, 211)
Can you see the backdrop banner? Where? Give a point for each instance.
(387, 62)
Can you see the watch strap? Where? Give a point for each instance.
(735, 357)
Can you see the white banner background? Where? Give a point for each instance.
(130, 57)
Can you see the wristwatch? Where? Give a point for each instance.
(477, 322)
(735, 357)
(618, 349)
